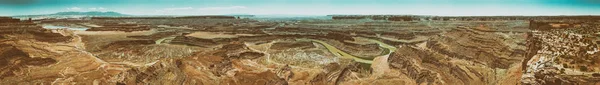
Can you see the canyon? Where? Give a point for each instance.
(340, 50)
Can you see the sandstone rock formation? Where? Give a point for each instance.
(562, 53)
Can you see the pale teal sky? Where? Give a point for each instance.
(307, 7)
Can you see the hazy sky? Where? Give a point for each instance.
(307, 7)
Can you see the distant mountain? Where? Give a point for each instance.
(73, 15)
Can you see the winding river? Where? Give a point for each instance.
(339, 53)
(64, 27)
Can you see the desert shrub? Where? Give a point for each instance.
(583, 68)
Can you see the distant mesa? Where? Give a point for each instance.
(459, 18)
(91, 13)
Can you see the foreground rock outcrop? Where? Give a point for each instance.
(562, 53)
